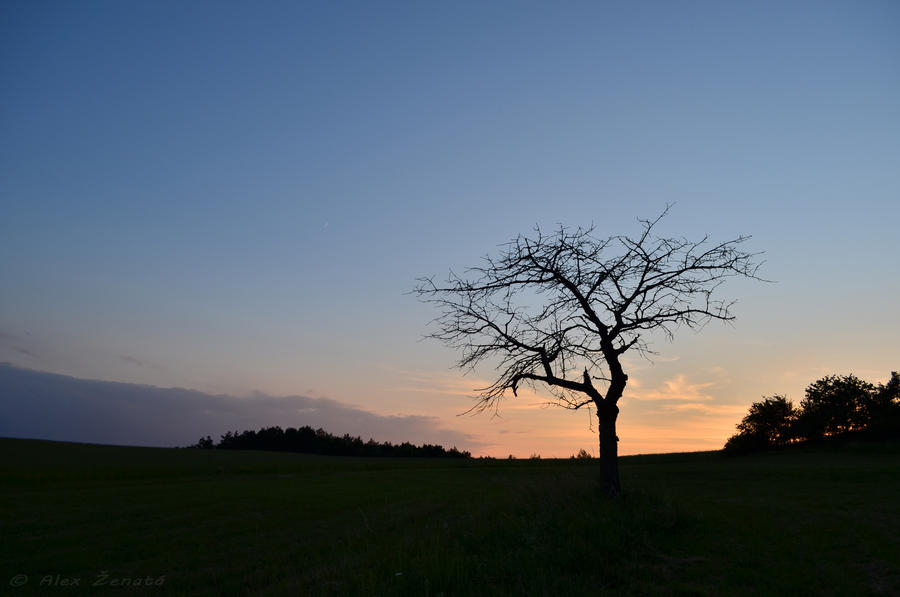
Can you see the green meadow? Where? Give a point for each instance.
(152, 521)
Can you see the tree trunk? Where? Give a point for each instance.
(609, 450)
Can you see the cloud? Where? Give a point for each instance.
(141, 363)
(9, 337)
(699, 407)
(452, 384)
(677, 388)
(43, 405)
(13, 343)
(527, 398)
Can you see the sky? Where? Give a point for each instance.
(236, 198)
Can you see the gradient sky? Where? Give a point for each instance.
(238, 197)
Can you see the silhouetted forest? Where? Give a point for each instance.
(318, 441)
(833, 407)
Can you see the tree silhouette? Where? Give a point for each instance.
(561, 310)
(883, 408)
(768, 423)
(318, 441)
(834, 405)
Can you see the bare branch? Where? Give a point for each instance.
(559, 310)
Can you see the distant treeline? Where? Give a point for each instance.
(318, 441)
(833, 407)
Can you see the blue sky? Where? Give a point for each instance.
(233, 197)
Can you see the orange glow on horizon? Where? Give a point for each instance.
(675, 414)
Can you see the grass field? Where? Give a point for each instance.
(204, 522)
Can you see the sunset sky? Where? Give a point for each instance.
(237, 199)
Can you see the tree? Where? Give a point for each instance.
(883, 409)
(834, 405)
(768, 423)
(561, 310)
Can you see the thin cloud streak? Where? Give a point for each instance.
(16, 344)
(25, 351)
(715, 409)
(677, 388)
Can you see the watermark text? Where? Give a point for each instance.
(102, 579)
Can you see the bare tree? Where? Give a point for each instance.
(561, 310)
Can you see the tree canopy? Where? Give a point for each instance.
(318, 441)
(833, 406)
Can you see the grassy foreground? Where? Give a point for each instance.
(208, 522)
